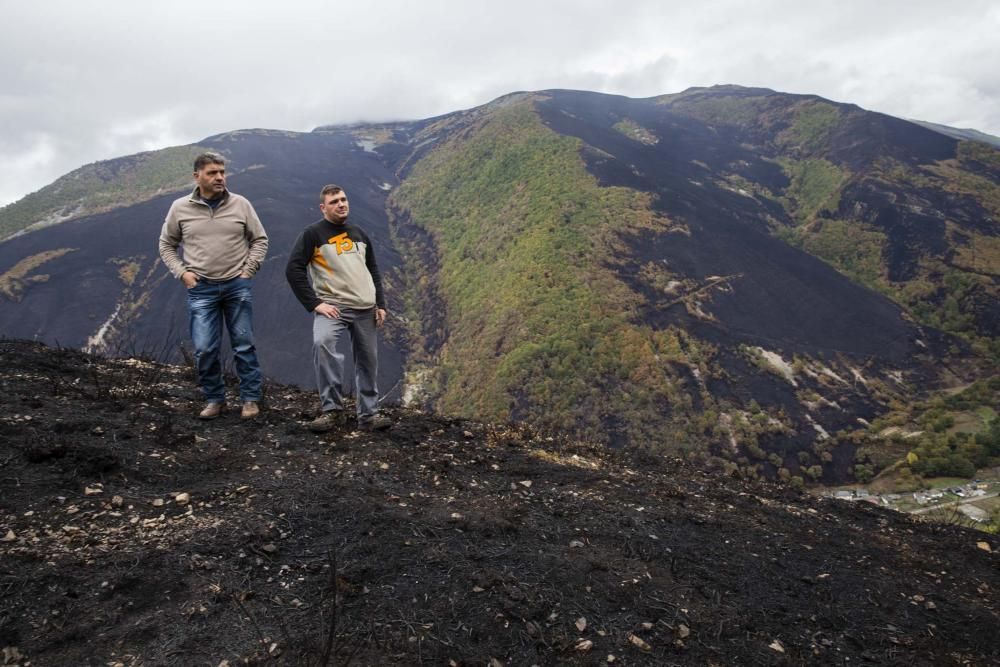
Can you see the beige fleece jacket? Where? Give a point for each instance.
(219, 244)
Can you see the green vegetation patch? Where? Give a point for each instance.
(815, 185)
(959, 454)
(975, 252)
(948, 310)
(812, 125)
(853, 248)
(950, 435)
(633, 130)
(538, 327)
(100, 187)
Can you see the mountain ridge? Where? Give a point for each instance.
(52, 217)
(732, 272)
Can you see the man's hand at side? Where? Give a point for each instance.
(327, 310)
(189, 278)
(379, 317)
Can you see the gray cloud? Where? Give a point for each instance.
(85, 82)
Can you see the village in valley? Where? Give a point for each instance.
(972, 502)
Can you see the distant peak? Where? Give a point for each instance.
(729, 88)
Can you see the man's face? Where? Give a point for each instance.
(335, 207)
(211, 180)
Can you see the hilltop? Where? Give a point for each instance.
(136, 535)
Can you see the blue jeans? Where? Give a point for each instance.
(329, 363)
(209, 304)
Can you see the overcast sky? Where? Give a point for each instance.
(87, 81)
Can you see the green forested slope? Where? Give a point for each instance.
(539, 329)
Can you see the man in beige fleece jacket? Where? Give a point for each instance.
(224, 246)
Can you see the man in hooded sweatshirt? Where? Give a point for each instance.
(333, 273)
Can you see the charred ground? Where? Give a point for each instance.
(437, 542)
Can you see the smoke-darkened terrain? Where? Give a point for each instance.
(134, 535)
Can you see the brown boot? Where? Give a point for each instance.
(250, 410)
(211, 410)
(326, 421)
(376, 423)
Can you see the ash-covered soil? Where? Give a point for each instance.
(132, 534)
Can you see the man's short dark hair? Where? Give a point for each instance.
(329, 190)
(208, 158)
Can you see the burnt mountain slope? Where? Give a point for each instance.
(730, 271)
(727, 268)
(888, 202)
(131, 533)
(780, 295)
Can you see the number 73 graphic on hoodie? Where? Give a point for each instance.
(340, 265)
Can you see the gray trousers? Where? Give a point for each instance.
(329, 363)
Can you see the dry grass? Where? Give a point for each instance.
(14, 281)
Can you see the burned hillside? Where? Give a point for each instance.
(134, 535)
